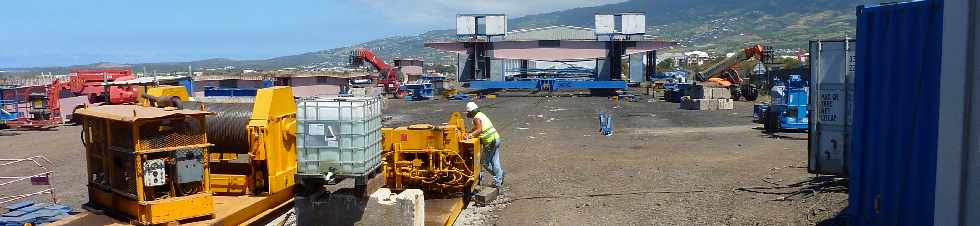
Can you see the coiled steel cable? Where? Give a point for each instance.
(227, 128)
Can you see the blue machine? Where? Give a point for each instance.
(674, 91)
(418, 90)
(787, 110)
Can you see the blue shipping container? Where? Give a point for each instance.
(893, 157)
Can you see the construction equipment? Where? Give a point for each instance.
(246, 153)
(725, 73)
(43, 112)
(387, 75)
(787, 110)
(147, 164)
(418, 90)
(436, 159)
(91, 83)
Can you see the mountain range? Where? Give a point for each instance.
(718, 26)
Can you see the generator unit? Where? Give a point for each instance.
(432, 158)
(228, 161)
(787, 109)
(147, 164)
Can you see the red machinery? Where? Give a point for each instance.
(88, 82)
(388, 75)
(43, 110)
(725, 73)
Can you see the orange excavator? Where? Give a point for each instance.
(725, 73)
(387, 75)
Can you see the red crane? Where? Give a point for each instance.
(388, 75)
(88, 82)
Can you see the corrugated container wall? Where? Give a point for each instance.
(893, 153)
(339, 135)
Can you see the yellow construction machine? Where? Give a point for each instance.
(147, 164)
(216, 162)
(431, 158)
(436, 159)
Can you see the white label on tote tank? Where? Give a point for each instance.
(317, 129)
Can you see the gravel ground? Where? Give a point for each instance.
(662, 165)
(63, 146)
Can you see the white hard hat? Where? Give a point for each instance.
(470, 106)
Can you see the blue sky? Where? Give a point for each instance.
(70, 32)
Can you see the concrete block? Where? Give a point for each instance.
(700, 104)
(707, 92)
(721, 93)
(411, 204)
(486, 195)
(726, 104)
(699, 92)
(387, 208)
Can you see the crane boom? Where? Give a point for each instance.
(362, 55)
(718, 69)
(388, 76)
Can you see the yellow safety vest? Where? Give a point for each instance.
(489, 134)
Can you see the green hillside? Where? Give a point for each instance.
(711, 25)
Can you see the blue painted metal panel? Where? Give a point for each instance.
(504, 84)
(590, 84)
(229, 92)
(893, 157)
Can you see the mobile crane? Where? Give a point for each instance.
(387, 75)
(725, 73)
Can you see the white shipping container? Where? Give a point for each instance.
(637, 68)
(831, 104)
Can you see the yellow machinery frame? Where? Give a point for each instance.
(271, 164)
(120, 139)
(272, 154)
(435, 159)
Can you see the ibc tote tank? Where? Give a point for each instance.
(339, 136)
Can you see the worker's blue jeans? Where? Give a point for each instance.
(491, 162)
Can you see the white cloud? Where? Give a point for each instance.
(441, 12)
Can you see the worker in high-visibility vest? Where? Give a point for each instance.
(483, 129)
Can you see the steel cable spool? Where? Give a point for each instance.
(227, 128)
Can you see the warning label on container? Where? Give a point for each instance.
(828, 103)
(317, 129)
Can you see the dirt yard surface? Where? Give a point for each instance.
(62, 146)
(662, 165)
